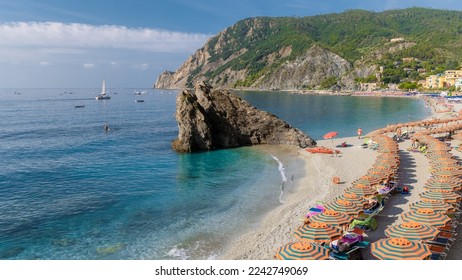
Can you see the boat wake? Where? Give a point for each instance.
(283, 175)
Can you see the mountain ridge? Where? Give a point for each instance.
(333, 51)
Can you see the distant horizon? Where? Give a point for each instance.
(58, 44)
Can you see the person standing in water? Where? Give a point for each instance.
(360, 132)
(106, 127)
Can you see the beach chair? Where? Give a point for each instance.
(368, 224)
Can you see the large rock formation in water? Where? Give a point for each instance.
(218, 119)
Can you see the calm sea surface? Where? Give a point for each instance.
(70, 190)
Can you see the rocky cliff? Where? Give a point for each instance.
(334, 51)
(218, 119)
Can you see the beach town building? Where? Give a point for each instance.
(433, 81)
(369, 86)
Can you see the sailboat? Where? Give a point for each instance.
(103, 94)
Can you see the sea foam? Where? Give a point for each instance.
(283, 176)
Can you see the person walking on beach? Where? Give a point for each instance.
(360, 132)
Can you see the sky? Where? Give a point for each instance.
(77, 43)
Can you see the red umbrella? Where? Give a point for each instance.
(330, 135)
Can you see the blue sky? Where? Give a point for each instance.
(77, 43)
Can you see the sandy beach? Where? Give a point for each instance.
(312, 181)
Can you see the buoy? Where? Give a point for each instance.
(336, 180)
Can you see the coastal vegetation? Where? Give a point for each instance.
(391, 47)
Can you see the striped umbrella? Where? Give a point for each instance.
(318, 232)
(412, 231)
(399, 249)
(366, 180)
(444, 180)
(362, 190)
(426, 216)
(443, 195)
(436, 205)
(302, 251)
(447, 173)
(333, 218)
(344, 206)
(352, 197)
(451, 186)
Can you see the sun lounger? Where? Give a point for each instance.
(368, 224)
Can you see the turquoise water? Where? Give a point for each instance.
(70, 190)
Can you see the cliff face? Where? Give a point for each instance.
(218, 119)
(335, 51)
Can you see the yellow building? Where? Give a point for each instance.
(452, 76)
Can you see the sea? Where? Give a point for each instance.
(71, 190)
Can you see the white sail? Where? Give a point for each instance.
(103, 88)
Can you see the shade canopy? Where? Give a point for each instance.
(302, 251)
(330, 135)
(399, 249)
(333, 218)
(426, 216)
(318, 232)
(412, 231)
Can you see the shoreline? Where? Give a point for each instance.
(313, 182)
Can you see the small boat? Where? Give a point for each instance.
(79, 106)
(322, 150)
(139, 100)
(103, 95)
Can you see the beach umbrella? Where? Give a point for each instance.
(412, 231)
(366, 181)
(344, 206)
(318, 232)
(330, 135)
(399, 249)
(443, 186)
(362, 190)
(436, 205)
(331, 217)
(444, 180)
(426, 216)
(447, 173)
(352, 197)
(302, 251)
(443, 195)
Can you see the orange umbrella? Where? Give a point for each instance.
(362, 190)
(302, 251)
(436, 205)
(426, 216)
(330, 135)
(443, 195)
(412, 231)
(332, 218)
(399, 249)
(352, 197)
(344, 206)
(318, 232)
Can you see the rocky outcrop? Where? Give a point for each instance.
(218, 119)
(308, 70)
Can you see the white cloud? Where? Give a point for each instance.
(59, 36)
(142, 66)
(44, 63)
(88, 65)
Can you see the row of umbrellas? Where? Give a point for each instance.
(428, 217)
(450, 124)
(338, 213)
(422, 223)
